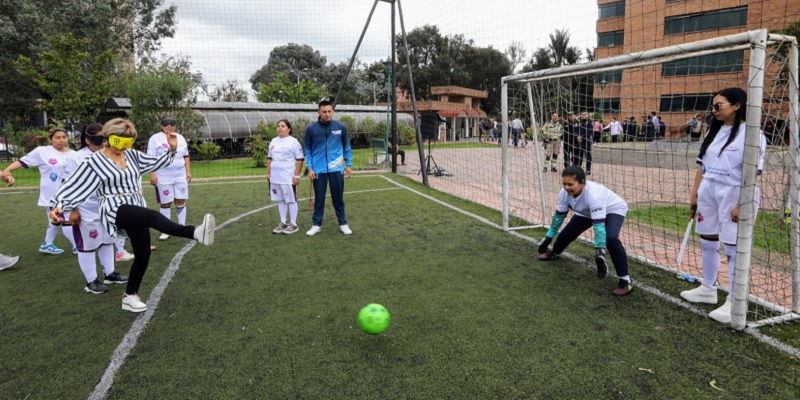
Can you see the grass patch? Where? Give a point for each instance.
(770, 233)
(274, 316)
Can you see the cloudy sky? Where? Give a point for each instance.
(232, 39)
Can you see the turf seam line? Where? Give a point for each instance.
(788, 349)
(140, 323)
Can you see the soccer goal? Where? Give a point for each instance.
(661, 99)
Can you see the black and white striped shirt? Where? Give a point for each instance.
(114, 186)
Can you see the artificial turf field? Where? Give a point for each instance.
(267, 316)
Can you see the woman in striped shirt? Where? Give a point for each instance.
(114, 174)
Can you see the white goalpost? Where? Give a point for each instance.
(652, 165)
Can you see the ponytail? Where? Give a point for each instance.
(734, 96)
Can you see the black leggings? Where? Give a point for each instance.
(137, 221)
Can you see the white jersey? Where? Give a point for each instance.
(51, 170)
(90, 210)
(595, 202)
(175, 172)
(284, 152)
(726, 168)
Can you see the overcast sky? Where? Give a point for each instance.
(232, 39)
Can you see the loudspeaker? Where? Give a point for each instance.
(429, 125)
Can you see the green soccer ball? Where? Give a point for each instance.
(373, 319)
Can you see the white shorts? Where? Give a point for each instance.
(90, 235)
(715, 201)
(282, 192)
(167, 193)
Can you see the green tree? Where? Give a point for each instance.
(153, 97)
(76, 82)
(516, 54)
(301, 61)
(230, 91)
(282, 90)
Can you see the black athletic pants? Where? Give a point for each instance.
(137, 222)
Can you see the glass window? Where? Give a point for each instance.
(709, 20)
(608, 104)
(731, 61)
(609, 77)
(612, 10)
(606, 39)
(685, 102)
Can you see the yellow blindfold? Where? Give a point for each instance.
(120, 142)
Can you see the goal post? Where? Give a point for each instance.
(661, 98)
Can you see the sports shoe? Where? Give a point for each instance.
(7, 261)
(545, 169)
(701, 294)
(95, 287)
(123, 256)
(132, 303)
(115, 277)
(279, 228)
(722, 314)
(314, 230)
(163, 237)
(588, 172)
(554, 169)
(345, 229)
(290, 229)
(623, 288)
(74, 249)
(547, 256)
(204, 233)
(49, 249)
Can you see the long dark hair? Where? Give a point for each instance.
(92, 129)
(288, 125)
(734, 96)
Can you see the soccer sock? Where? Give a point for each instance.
(626, 278)
(710, 260)
(106, 255)
(165, 211)
(282, 210)
(293, 213)
(181, 211)
(50, 235)
(120, 245)
(68, 233)
(730, 251)
(88, 266)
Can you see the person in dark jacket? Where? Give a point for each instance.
(584, 143)
(568, 140)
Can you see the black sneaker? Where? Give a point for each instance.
(115, 277)
(553, 169)
(545, 169)
(623, 288)
(588, 172)
(95, 287)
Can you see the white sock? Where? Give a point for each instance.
(166, 211)
(730, 251)
(282, 211)
(293, 213)
(67, 230)
(120, 245)
(710, 261)
(181, 211)
(88, 266)
(626, 278)
(52, 231)
(106, 255)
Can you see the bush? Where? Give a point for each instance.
(257, 148)
(299, 129)
(406, 134)
(350, 123)
(370, 129)
(206, 150)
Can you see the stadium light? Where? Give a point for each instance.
(603, 84)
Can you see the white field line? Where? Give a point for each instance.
(793, 351)
(140, 323)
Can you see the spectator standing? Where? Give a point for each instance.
(597, 130)
(516, 129)
(656, 122)
(649, 129)
(584, 139)
(171, 183)
(615, 128)
(569, 140)
(551, 140)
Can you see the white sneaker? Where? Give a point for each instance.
(123, 256)
(7, 262)
(701, 294)
(163, 237)
(345, 229)
(723, 314)
(132, 303)
(204, 233)
(314, 230)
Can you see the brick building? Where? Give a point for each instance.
(460, 106)
(677, 90)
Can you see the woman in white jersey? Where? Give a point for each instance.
(89, 233)
(114, 175)
(172, 182)
(594, 206)
(50, 160)
(284, 163)
(715, 194)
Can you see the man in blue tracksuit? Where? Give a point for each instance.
(328, 158)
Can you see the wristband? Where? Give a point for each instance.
(297, 177)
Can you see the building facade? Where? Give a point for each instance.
(677, 90)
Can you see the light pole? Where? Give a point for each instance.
(389, 63)
(603, 84)
(297, 75)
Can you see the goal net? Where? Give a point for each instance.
(653, 109)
